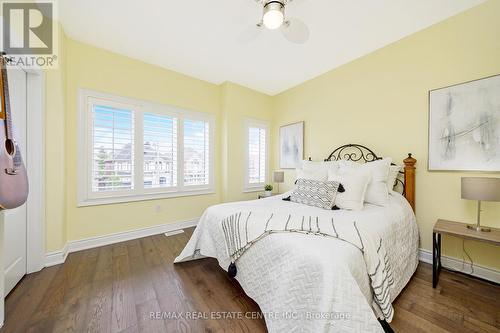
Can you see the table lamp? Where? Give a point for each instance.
(278, 178)
(480, 189)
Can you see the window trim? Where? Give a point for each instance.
(247, 187)
(85, 196)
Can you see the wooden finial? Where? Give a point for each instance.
(410, 179)
(410, 161)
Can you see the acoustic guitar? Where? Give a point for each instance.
(14, 186)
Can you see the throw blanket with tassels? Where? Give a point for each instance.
(242, 230)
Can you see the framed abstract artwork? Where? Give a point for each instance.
(464, 126)
(291, 145)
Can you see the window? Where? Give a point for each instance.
(257, 152)
(196, 153)
(133, 150)
(112, 149)
(160, 151)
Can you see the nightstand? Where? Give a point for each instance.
(460, 230)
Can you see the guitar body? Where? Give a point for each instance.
(14, 186)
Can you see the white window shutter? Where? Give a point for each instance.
(196, 152)
(112, 149)
(257, 155)
(159, 151)
(135, 150)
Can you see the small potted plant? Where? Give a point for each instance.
(269, 190)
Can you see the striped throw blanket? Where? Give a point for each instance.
(243, 229)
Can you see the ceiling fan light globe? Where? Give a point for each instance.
(274, 15)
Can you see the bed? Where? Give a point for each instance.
(306, 283)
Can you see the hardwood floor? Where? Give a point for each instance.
(117, 288)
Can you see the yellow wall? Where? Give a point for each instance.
(381, 101)
(239, 103)
(55, 191)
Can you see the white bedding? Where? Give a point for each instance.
(306, 283)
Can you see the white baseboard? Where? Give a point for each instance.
(456, 265)
(173, 233)
(58, 257)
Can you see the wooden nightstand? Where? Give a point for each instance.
(460, 230)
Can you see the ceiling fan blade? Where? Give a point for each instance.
(295, 31)
(249, 34)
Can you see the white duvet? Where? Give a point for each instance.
(307, 283)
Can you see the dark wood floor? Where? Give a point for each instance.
(116, 288)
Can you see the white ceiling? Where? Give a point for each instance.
(200, 38)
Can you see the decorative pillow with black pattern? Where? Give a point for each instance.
(315, 193)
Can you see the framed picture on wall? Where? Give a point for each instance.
(291, 145)
(464, 126)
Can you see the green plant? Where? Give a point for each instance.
(268, 187)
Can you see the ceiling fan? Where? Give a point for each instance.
(273, 17)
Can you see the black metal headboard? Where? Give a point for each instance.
(359, 153)
(353, 152)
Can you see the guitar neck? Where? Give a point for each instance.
(5, 99)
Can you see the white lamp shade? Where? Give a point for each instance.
(279, 176)
(481, 188)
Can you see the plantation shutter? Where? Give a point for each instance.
(160, 151)
(257, 155)
(112, 149)
(131, 150)
(196, 152)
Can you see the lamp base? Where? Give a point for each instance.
(478, 228)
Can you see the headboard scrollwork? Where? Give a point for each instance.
(359, 153)
(353, 152)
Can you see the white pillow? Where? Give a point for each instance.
(315, 170)
(393, 174)
(355, 184)
(377, 192)
(316, 166)
(319, 175)
(347, 165)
